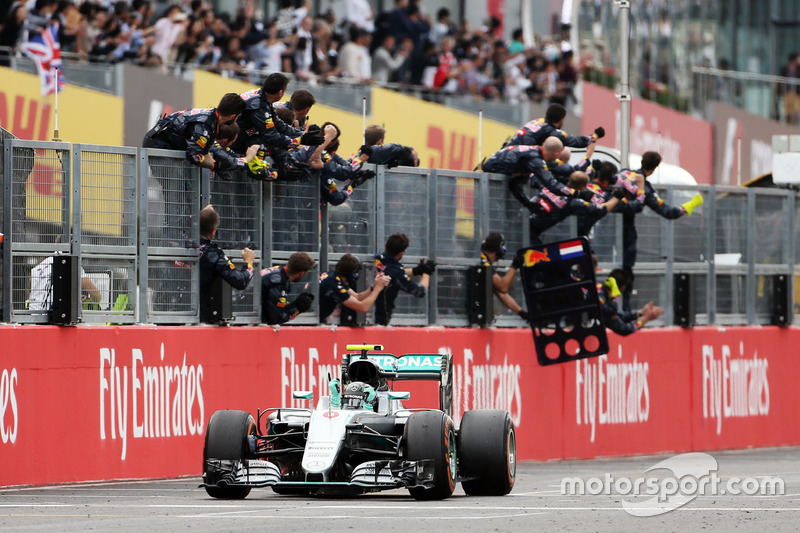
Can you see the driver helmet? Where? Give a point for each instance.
(353, 395)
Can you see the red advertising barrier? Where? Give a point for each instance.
(99, 403)
(680, 139)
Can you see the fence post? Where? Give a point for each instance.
(431, 251)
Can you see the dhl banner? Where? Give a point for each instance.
(444, 138)
(84, 115)
(133, 402)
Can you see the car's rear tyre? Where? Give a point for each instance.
(487, 451)
(226, 438)
(431, 435)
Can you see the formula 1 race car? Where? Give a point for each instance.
(360, 438)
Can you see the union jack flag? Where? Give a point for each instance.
(45, 50)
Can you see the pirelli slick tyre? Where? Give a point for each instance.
(487, 452)
(226, 438)
(431, 435)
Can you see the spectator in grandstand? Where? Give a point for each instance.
(195, 130)
(336, 288)
(650, 161)
(528, 164)
(442, 27)
(258, 124)
(359, 13)
(619, 321)
(536, 131)
(168, 30)
(11, 29)
(215, 264)
(548, 209)
(388, 263)
(791, 98)
(276, 286)
(41, 295)
(493, 249)
(384, 63)
(354, 58)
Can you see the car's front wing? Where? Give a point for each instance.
(370, 476)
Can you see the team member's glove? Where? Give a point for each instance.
(370, 399)
(431, 265)
(596, 164)
(422, 268)
(619, 193)
(361, 177)
(599, 133)
(518, 261)
(311, 139)
(303, 302)
(696, 201)
(256, 165)
(523, 314)
(587, 195)
(315, 129)
(366, 150)
(335, 387)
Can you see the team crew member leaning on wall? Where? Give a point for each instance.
(388, 262)
(214, 263)
(650, 162)
(617, 320)
(276, 285)
(536, 131)
(492, 250)
(336, 288)
(194, 130)
(525, 164)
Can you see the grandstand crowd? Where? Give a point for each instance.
(406, 44)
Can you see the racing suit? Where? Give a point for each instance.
(275, 287)
(551, 209)
(214, 263)
(562, 170)
(384, 305)
(333, 290)
(525, 163)
(193, 130)
(259, 124)
(619, 321)
(391, 155)
(536, 131)
(631, 203)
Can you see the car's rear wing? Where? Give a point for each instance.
(369, 366)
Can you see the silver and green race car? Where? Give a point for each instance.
(360, 438)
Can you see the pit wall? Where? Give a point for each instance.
(101, 403)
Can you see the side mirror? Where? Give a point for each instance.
(303, 394)
(399, 395)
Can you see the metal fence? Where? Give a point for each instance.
(130, 215)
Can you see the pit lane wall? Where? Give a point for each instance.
(99, 403)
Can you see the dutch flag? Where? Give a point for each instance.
(570, 249)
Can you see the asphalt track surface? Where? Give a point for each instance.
(536, 504)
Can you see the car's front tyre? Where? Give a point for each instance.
(431, 435)
(226, 439)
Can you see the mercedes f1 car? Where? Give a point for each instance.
(360, 438)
